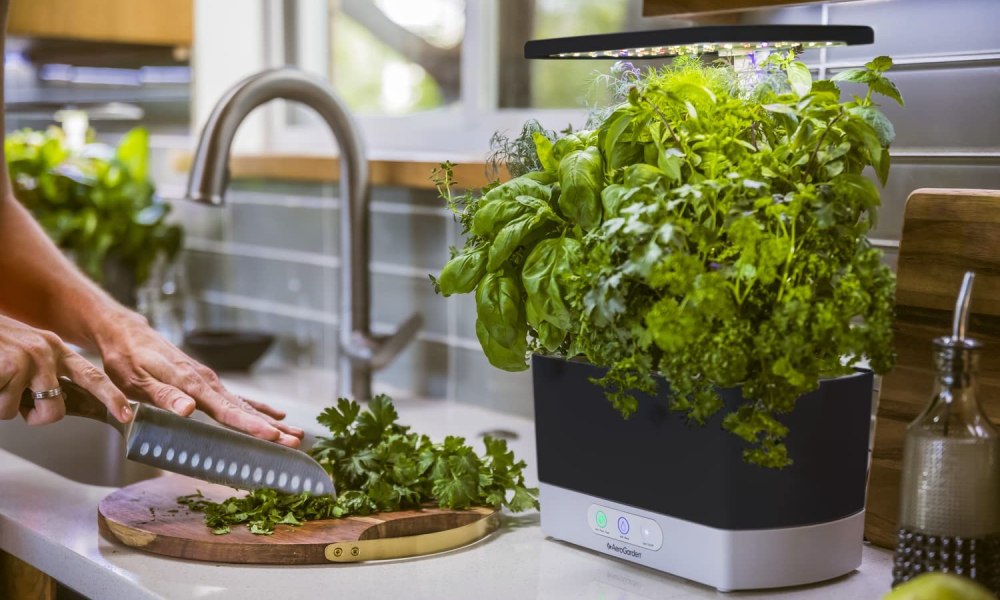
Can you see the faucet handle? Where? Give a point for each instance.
(379, 350)
(388, 346)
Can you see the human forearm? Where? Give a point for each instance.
(41, 287)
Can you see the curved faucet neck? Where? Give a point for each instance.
(210, 175)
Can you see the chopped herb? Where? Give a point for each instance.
(379, 465)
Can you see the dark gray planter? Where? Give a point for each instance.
(658, 462)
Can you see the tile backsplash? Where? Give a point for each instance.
(269, 259)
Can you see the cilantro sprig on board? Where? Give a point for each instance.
(380, 465)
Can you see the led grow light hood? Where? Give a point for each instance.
(723, 40)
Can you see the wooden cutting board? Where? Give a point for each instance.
(946, 232)
(146, 515)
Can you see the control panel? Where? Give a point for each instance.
(625, 527)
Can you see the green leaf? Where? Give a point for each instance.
(499, 206)
(642, 174)
(133, 152)
(543, 146)
(461, 274)
(879, 123)
(548, 262)
(885, 87)
(565, 145)
(825, 86)
(501, 324)
(861, 188)
(379, 417)
(581, 178)
(863, 132)
(511, 236)
(612, 198)
(617, 124)
(523, 499)
(782, 109)
(549, 336)
(800, 79)
(670, 162)
(883, 167)
(858, 75)
(879, 64)
(338, 419)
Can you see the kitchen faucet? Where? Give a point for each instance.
(209, 177)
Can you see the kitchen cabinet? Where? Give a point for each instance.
(18, 579)
(152, 22)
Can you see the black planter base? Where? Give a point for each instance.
(655, 465)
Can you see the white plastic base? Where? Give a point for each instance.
(724, 559)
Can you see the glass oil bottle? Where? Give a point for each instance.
(949, 517)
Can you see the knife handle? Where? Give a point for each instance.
(79, 402)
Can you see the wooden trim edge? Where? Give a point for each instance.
(414, 174)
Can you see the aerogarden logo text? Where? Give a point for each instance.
(624, 550)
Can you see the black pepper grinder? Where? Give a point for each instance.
(949, 518)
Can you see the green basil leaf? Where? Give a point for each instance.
(566, 145)
(550, 260)
(613, 198)
(500, 205)
(581, 178)
(543, 146)
(618, 123)
(461, 274)
(518, 231)
(501, 324)
(550, 336)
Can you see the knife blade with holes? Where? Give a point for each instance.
(214, 453)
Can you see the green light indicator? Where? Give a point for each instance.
(602, 519)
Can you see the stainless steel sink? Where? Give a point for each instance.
(76, 448)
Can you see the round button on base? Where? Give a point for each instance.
(623, 525)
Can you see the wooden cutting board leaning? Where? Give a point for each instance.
(946, 232)
(146, 515)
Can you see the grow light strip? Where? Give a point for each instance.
(722, 40)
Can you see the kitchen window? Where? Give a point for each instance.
(435, 76)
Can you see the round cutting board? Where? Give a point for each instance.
(146, 515)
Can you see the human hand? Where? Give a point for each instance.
(146, 366)
(33, 358)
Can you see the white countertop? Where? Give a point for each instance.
(50, 522)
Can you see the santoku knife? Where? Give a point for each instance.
(214, 453)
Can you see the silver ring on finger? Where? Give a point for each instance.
(54, 392)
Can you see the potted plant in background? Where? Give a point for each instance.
(699, 252)
(96, 202)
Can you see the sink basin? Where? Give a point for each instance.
(76, 448)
